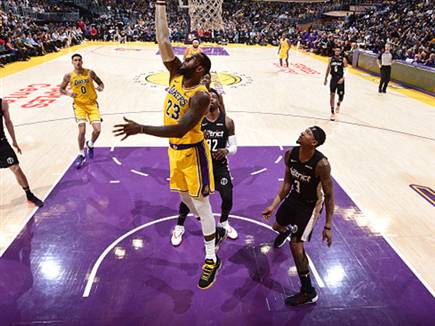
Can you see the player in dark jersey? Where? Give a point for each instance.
(8, 158)
(219, 132)
(337, 68)
(307, 172)
(206, 80)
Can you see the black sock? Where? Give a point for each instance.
(332, 110)
(306, 281)
(224, 217)
(181, 219)
(28, 192)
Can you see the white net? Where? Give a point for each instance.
(206, 14)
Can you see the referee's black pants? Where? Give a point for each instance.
(385, 78)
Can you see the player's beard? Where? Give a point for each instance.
(187, 72)
(213, 108)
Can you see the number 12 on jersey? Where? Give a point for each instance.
(212, 143)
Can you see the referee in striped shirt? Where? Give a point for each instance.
(385, 60)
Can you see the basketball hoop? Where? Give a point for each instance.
(206, 14)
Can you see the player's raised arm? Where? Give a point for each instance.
(171, 62)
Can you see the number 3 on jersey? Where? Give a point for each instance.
(175, 112)
(297, 185)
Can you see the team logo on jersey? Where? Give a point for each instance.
(10, 160)
(218, 79)
(224, 181)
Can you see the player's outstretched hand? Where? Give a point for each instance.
(267, 212)
(100, 88)
(327, 237)
(127, 129)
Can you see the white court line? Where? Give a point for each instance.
(138, 172)
(26, 220)
(259, 171)
(100, 259)
(280, 179)
(319, 280)
(278, 159)
(397, 251)
(116, 160)
(115, 181)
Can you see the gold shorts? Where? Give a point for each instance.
(87, 112)
(191, 169)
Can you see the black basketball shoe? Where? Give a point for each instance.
(282, 237)
(221, 235)
(303, 297)
(209, 271)
(35, 200)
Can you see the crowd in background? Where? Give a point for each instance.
(408, 25)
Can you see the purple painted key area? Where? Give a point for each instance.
(143, 280)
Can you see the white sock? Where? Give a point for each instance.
(90, 143)
(82, 152)
(210, 250)
(223, 224)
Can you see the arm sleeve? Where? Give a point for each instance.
(232, 145)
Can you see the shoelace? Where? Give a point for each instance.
(206, 271)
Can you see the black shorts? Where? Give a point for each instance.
(7, 155)
(222, 178)
(335, 86)
(295, 212)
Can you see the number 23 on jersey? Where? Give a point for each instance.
(175, 112)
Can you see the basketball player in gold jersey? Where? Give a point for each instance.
(191, 171)
(85, 104)
(284, 47)
(192, 50)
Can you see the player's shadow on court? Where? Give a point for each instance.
(243, 175)
(257, 265)
(143, 211)
(159, 175)
(182, 298)
(21, 200)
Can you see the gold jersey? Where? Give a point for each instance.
(83, 86)
(284, 44)
(176, 104)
